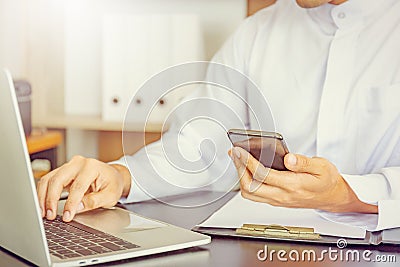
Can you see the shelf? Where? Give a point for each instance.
(91, 123)
(39, 141)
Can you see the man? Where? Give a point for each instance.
(331, 74)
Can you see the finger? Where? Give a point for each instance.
(42, 190)
(96, 200)
(62, 178)
(77, 190)
(256, 198)
(255, 190)
(265, 193)
(240, 167)
(246, 179)
(254, 166)
(281, 179)
(54, 189)
(300, 163)
(245, 176)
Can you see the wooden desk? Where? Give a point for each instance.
(232, 252)
(43, 145)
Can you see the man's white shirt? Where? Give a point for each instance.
(331, 76)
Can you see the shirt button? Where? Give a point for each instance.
(341, 15)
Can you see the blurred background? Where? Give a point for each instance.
(78, 62)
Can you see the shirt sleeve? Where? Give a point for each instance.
(201, 147)
(382, 189)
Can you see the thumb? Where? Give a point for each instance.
(96, 200)
(300, 163)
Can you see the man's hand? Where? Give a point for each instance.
(310, 183)
(91, 183)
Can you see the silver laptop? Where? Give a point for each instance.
(97, 236)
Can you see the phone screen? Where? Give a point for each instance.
(267, 147)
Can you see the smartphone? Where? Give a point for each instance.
(267, 147)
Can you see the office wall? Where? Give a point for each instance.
(13, 36)
(32, 45)
(88, 22)
(45, 37)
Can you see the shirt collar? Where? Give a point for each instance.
(353, 12)
(346, 15)
(322, 17)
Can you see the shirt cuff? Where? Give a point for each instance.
(372, 189)
(386, 218)
(388, 214)
(369, 188)
(135, 194)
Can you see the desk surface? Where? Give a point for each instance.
(224, 251)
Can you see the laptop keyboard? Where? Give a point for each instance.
(73, 239)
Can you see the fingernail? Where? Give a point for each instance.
(80, 206)
(254, 185)
(67, 215)
(49, 214)
(263, 173)
(292, 160)
(237, 152)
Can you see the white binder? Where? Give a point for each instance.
(135, 47)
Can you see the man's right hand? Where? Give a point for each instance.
(91, 183)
